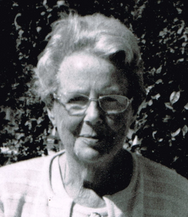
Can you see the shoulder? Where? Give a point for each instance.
(26, 173)
(158, 172)
(22, 175)
(163, 186)
(23, 167)
(21, 186)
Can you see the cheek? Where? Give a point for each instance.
(68, 127)
(117, 122)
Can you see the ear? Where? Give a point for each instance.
(132, 120)
(51, 116)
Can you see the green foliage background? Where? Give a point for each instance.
(161, 26)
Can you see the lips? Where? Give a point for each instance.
(90, 136)
(91, 140)
(96, 139)
(97, 142)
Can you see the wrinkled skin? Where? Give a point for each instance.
(96, 137)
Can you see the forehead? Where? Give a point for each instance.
(82, 72)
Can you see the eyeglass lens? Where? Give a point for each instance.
(113, 103)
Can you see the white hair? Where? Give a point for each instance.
(95, 34)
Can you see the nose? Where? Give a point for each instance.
(93, 113)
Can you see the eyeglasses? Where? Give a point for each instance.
(77, 105)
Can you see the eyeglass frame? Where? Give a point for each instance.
(57, 97)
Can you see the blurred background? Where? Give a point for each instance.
(161, 130)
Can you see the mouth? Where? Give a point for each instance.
(93, 141)
(97, 142)
(94, 137)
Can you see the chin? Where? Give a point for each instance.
(94, 157)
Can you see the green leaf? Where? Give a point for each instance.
(168, 105)
(186, 106)
(185, 130)
(159, 70)
(174, 97)
(157, 96)
(177, 132)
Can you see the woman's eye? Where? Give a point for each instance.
(109, 100)
(81, 100)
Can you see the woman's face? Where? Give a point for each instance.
(94, 137)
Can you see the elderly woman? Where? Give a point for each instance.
(89, 76)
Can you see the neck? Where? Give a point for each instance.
(104, 178)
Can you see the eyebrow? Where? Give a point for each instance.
(74, 92)
(114, 91)
(106, 91)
